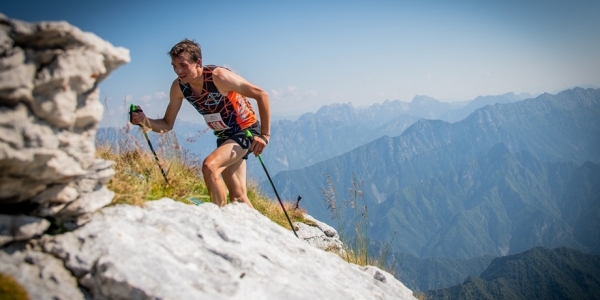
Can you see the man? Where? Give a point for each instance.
(219, 95)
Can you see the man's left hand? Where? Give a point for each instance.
(259, 143)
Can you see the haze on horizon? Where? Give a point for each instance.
(312, 53)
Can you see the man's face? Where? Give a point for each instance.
(185, 68)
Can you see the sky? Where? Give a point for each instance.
(308, 53)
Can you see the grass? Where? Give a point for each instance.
(138, 177)
(10, 289)
(356, 249)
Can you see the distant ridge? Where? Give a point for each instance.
(338, 128)
(539, 273)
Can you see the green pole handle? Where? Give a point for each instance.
(132, 108)
(249, 135)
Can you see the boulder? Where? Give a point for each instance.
(171, 250)
(41, 275)
(320, 235)
(49, 113)
(20, 228)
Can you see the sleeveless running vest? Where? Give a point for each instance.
(225, 115)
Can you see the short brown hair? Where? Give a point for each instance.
(187, 46)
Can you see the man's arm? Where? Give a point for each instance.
(168, 121)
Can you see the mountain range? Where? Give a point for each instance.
(338, 128)
(506, 178)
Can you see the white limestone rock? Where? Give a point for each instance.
(321, 235)
(49, 113)
(42, 275)
(19, 228)
(170, 250)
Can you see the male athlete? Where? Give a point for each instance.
(220, 96)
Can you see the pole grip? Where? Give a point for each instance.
(132, 108)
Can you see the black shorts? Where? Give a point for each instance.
(239, 137)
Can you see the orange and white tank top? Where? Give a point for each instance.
(223, 113)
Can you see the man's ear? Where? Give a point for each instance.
(199, 62)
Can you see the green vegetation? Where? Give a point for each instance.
(138, 178)
(356, 249)
(10, 289)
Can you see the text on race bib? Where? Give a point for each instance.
(215, 122)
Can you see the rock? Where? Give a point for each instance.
(49, 113)
(170, 250)
(19, 228)
(321, 235)
(42, 276)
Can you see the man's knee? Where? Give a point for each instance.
(208, 167)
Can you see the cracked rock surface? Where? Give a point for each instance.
(171, 250)
(49, 113)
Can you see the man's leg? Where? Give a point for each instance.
(235, 179)
(228, 154)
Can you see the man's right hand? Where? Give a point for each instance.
(139, 118)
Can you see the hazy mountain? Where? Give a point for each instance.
(458, 114)
(338, 128)
(498, 204)
(539, 273)
(436, 273)
(498, 182)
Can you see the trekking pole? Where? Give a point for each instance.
(132, 109)
(249, 135)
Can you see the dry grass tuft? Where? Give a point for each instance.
(356, 250)
(138, 178)
(272, 209)
(420, 296)
(10, 289)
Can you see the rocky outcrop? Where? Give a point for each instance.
(49, 112)
(41, 275)
(320, 235)
(171, 250)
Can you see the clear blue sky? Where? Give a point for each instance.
(306, 54)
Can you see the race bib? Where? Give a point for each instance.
(215, 122)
